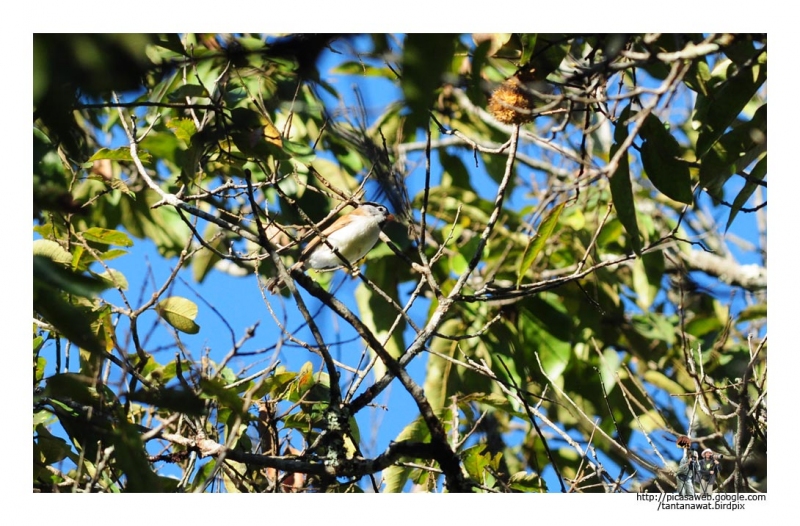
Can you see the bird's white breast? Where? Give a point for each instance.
(352, 241)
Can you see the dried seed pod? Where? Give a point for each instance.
(511, 103)
(684, 442)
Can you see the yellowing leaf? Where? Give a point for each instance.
(180, 313)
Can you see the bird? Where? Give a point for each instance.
(352, 235)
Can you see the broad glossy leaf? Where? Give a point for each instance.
(395, 477)
(204, 260)
(647, 273)
(51, 250)
(131, 457)
(183, 128)
(544, 52)
(476, 461)
(114, 278)
(537, 242)
(426, 57)
(50, 277)
(622, 189)
(107, 237)
(171, 398)
(455, 173)
(734, 152)
(756, 174)
(122, 153)
(547, 331)
(662, 162)
(609, 367)
(527, 482)
(216, 389)
(726, 100)
(70, 321)
(378, 314)
(180, 313)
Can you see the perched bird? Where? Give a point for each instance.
(352, 235)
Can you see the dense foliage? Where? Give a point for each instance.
(578, 265)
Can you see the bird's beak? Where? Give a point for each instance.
(389, 217)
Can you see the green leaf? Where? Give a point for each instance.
(180, 313)
(73, 387)
(122, 153)
(132, 459)
(650, 421)
(546, 52)
(172, 399)
(376, 313)
(395, 477)
(107, 237)
(455, 173)
(441, 378)
(49, 275)
(299, 151)
(734, 152)
(647, 273)
(547, 330)
(756, 174)
(609, 367)
(204, 260)
(69, 321)
(537, 242)
(426, 57)
(621, 187)
(215, 389)
(187, 90)
(475, 89)
(112, 254)
(458, 263)
(698, 76)
(114, 278)
(527, 482)
(660, 380)
(476, 460)
(183, 129)
(51, 250)
(362, 70)
(703, 324)
(726, 100)
(662, 163)
(754, 312)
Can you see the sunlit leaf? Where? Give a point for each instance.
(122, 153)
(51, 250)
(537, 242)
(180, 313)
(184, 128)
(107, 237)
(395, 477)
(726, 100)
(734, 152)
